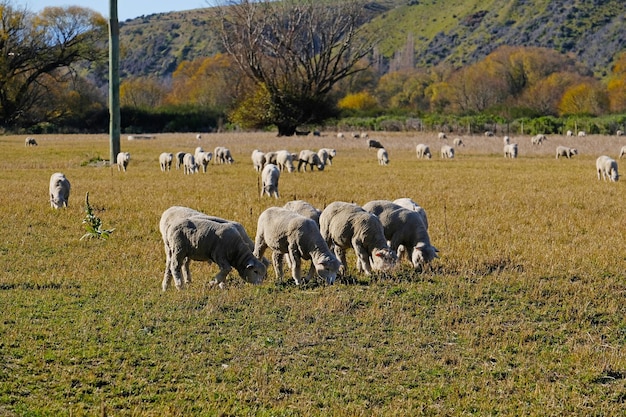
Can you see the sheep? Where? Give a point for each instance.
(179, 159)
(258, 160)
(59, 190)
(340, 135)
(165, 160)
(383, 157)
(489, 134)
(458, 142)
(569, 133)
(197, 152)
(510, 150)
(284, 161)
(222, 155)
(122, 161)
(405, 230)
(194, 236)
(565, 151)
(308, 157)
(305, 209)
(374, 144)
(198, 136)
(189, 164)
(506, 140)
(29, 141)
(270, 158)
(364, 135)
(442, 136)
(326, 155)
(423, 151)
(356, 135)
(582, 134)
(409, 204)
(538, 139)
(297, 237)
(607, 167)
(269, 180)
(345, 225)
(622, 152)
(203, 159)
(447, 152)
(619, 133)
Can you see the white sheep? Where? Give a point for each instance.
(179, 159)
(489, 134)
(189, 164)
(284, 161)
(305, 209)
(538, 139)
(622, 152)
(510, 150)
(346, 226)
(30, 141)
(270, 157)
(374, 144)
(582, 134)
(197, 152)
(222, 155)
(423, 151)
(341, 135)
(565, 151)
(310, 158)
(458, 142)
(198, 136)
(619, 133)
(409, 204)
(165, 160)
(405, 230)
(297, 237)
(569, 133)
(122, 161)
(326, 155)
(193, 236)
(506, 140)
(269, 180)
(447, 152)
(383, 157)
(607, 167)
(441, 136)
(258, 160)
(203, 159)
(59, 190)
(364, 135)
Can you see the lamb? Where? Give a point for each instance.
(423, 151)
(30, 141)
(383, 157)
(202, 160)
(565, 151)
(297, 237)
(284, 161)
(441, 136)
(622, 152)
(188, 237)
(222, 155)
(165, 160)
(447, 152)
(269, 180)
(305, 209)
(308, 157)
(347, 225)
(122, 161)
(179, 159)
(371, 143)
(405, 230)
(607, 167)
(258, 160)
(409, 204)
(189, 164)
(510, 150)
(538, 139)
(59, 190)
(458, 142)
(506, 140)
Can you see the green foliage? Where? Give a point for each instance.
(93, 224)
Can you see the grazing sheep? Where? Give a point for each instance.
(270, 158)
(189, 164)
(442, 136)
(269, 180)
(308, 157)
(405, 230)
(165, 160)
(188, 237)
(356, 135)
(222, 155)
(284, 161)
(538, 139)
(346, 226)
(582, 134)
(409, 204)
(506, 140)
(203, 159)
(569, 133)
(258, 160)
(305, 209)
(340, 135)
(179, 159)
(622, 152)
(297, 237)
(59, 190)
(458, 142)
(565, 151)
(371, 143)
(423, 151)
(122, 161)
(30, 141)
(489, 134)
(364, 135)
(326, 155)
(619, 133)
(197, 152)
(447, 152)
(383, 157)
(607, 167)
(510, 150)
(198, 136)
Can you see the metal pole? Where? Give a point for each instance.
(114, 81)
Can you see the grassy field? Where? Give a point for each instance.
(523, 314)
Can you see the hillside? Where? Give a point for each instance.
(452, 31)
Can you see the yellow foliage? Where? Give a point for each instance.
(358, 101)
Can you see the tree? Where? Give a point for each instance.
(33, 47)
(296, 51)
(142, 92)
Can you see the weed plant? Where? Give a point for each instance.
(522, 314)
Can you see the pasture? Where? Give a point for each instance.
(524, 312)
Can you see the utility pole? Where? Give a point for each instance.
(114, 81)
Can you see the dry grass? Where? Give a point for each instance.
(523, 314)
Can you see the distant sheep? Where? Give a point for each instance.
(569, 133)
(409, 204)
(222, 155)
(340, 135)
(423, 151)
(287, 233)
(326, 155)
(565, 151)
(582, 134)
(619, 133)
(310, 158)
(506, 140)
(29, 141)
(622, 152)
(188, 237)
(258, 160)
(510, 150)
(489, 134)
(122, 161)
(203, 159)
(189, 164)
(59, 190)
(345, 225)
(198, 136)
(179, 159)
(607, 168)
(458, 142)
(383, 157)
(284, 161)
(269, 180)
(305, 209)
(374, 144)
(441, 136)
(538, 139)
(447, 152)
(364, 135)
(165, 160)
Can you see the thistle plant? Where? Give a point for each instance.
(93, 224)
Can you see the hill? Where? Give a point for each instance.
(457, 32)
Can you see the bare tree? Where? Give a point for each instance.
(296, 51)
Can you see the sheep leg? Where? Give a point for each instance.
(340, 253)
(296, 266)
(176, 262)
(168, 273)
(363, 259)
(186, 271)
(221, 276)
(277, 260)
